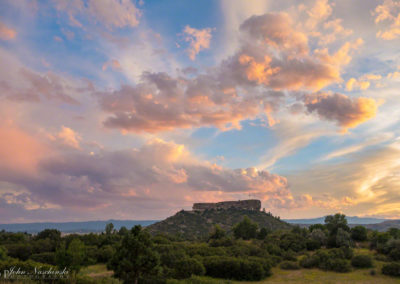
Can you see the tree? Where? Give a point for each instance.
(333, 223)
(123, 231)
(76, 251)
(246, 229)
(109, 228)
(316, 227)
(319, 236)
(218, 233)
(135, 257)
(359, 233)
(262, 234)
(3, 253)
(52, 234)
(336, 222)
(71, 258)
(343, 238)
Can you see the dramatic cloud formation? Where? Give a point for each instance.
(198, 39)
(103, 116)
(347, 112)
(272, 55)
(95, 181)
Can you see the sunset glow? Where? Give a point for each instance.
(124, 109)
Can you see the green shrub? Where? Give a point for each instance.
(289, 265)
(391, 269)
(309, 261)
(361, 261)
(333, 260)
(338, 265)
(313, 245)
(187, 267)
(233, 268)
(289, 255)
(381, 257)
(44, 257)
(359, 233)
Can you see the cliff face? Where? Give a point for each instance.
(251, 204)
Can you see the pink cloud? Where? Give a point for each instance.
(198, 39)
(347, 112)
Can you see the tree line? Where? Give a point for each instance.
(247, 252)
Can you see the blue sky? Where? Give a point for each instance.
(136, 109)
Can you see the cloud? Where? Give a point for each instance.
(273, 57)
(7, 33)
(22, 84)
(68, 137)
(110, 13)
(319, 12)
(113, 64)
(362, 83)
(365, 183)
(198, 39)
(358, 147)
(161, 103)
(95, 182)
(20, 152)
(347, 112)
(389, 13)
(114, 13)
(276, 30)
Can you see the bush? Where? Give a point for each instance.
(289, 255)
(372, 272)
(333, 260)
(45, 257)
(233, 268)
(361, 261)
(391, 269)
(187, 267)
(359, 233)
(338, 265)
(309, 261)
(246, 229)
(313, 245)
(289, 265)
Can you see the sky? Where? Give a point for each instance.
(120, 109)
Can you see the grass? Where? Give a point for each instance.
(319, 276)
(99, 273)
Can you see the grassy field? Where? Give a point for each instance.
(100, 273)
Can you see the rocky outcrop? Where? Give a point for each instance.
(250, 204)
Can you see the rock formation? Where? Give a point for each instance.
(251, 204)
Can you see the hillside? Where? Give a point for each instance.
(350, 219)
(198, 224)
(384, 225)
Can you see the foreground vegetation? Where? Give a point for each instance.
(329, 253)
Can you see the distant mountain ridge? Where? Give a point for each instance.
(73, 227)
(350, 220)
(98, 226)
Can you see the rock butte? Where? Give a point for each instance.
(250, 204)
